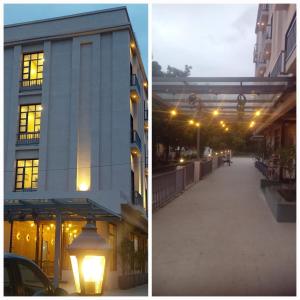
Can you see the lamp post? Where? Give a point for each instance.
(89, 255)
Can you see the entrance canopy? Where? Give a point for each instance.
(193, 95)
(46, 209)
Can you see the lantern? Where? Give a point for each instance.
(89, 256)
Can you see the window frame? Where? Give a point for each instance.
(22, 189)
(29, 80)
(27, 114)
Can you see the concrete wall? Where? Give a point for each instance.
(85, 122)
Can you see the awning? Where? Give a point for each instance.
(45, 209)
(195, 95)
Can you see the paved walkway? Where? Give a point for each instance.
(220, 239)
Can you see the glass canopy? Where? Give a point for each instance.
(194, 95)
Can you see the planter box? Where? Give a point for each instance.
(282, 210)
(131, 280)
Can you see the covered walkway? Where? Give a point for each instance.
(220, 238)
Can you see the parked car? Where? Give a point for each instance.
(22, 277)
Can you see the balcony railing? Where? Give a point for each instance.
(32, 84)
(279, 66)
(146, 114)
(135, 82)
(135, 138)
(146, 162)
(268, 32)
(28, 138)
(290, 43)
(137, 199)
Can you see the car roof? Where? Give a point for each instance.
(16, 256)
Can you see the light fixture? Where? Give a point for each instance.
(257, 113)
(252, 124)
(191, 122)
(221, 122)
(223, 125)
(83, 187)
(89, 254)
(215, 112)
(31, 224)
(226, 129)
(132, 45)
(181, 160)
(197, 124)
(173, 112)
(145, 84)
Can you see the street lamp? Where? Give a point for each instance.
(89, 255)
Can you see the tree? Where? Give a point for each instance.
(172, 72)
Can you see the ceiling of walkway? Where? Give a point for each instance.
(196, 95)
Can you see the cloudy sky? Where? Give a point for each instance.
(138, 13)
(216, 40)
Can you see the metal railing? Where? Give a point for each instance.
(32, 84)
(290, 42)
(220, 161)
(146, 161)
(137, 199)
(189, 174)
(205, 168)
(279, 66)
(135, 82)
(268, 32)
(28, 138)
(146, 114)
(135, 138)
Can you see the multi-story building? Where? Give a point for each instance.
(275, 56)
(75, 95)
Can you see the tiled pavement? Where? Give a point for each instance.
(220, 238)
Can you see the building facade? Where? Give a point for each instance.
(275, 56)
(75, 137)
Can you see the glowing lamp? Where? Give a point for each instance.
(181, 160)
(173, 112)
(197, 124)
(191, 122)
(83, 187)
(89, 255)
(215, 112)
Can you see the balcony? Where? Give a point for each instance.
(146, 119)
(30, 85)
(28, 139)
(279, 67)
(136, 143)
(137, 199)
(290, 40)
(135, 88)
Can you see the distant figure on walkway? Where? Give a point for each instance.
(227, 158)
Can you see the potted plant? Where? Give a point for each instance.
(126, 253)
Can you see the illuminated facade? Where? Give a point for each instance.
(75, 95)
(275, 56)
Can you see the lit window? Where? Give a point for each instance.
(30, 118)
(32, 72)
(29, 124)
(112, 240)
(27, 174)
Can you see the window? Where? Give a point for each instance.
(27, 174)
(32, 71)
(29, 124)
(31, 281)
(112, 240)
